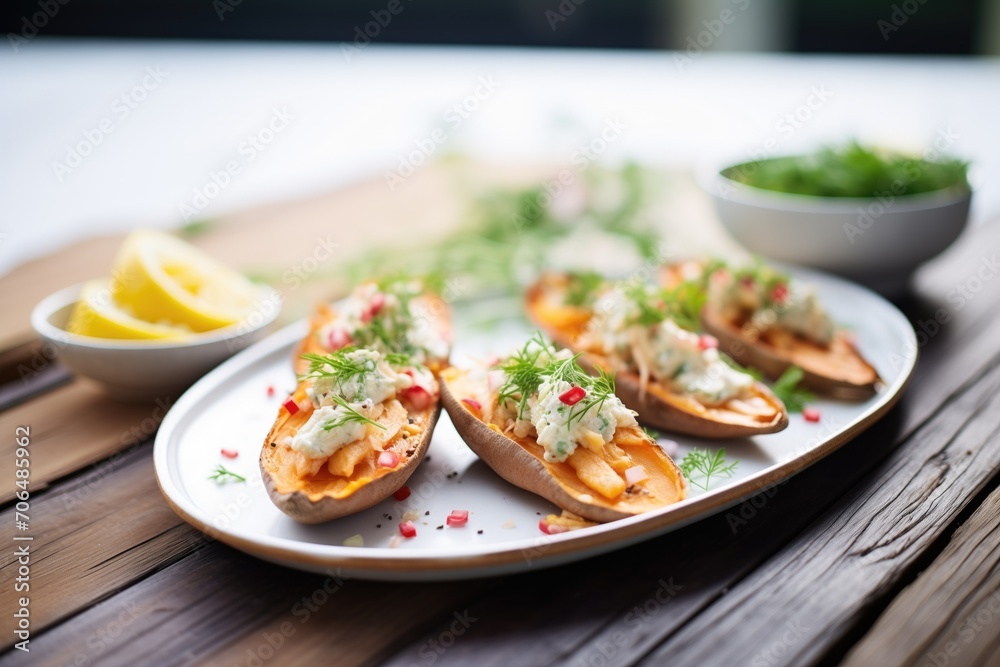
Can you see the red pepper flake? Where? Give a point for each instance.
(270, 390)
(402, 493)
(706, 342)
(388, 459)
(407, 529)
(550, 529)
(779, 293)
(474, 404)
(457, 518)
(230, 453)
(291, 406)
(811, 414)
(337, 339)
(573, 395)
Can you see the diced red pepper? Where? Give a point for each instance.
(573, 395)
(457, 518)
(419, 397)
(706, 342)
(474, 404)
(810, 414)
(779, 293)
(407, 529)
(550, 529)
(388, 459)
(230, 453)
(291, 406)
(270, 390)
(402, 493)
(337, 339)
(374, 306)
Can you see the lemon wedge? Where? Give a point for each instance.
(96, 314)
(159, 278)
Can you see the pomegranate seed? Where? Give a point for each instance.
(457, 518)
(230, 453)
(706, 342)
(270, 390)
(376, 304)
(402, 493)
(419, 397)
(811, 414)
(550, 529)
(779, 293)
(473, 403)
(388, 459)
(573, 395)
(746, 281)
(291, 406)
(407, 529)
(337, 339)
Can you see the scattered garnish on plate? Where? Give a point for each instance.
(223, 475)
(788, 389)
(701, 465)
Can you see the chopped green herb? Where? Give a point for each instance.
(351, 416)
(583, 288)
(223, 475)
(787, 389)
(701, 465)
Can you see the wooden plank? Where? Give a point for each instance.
(74, 427)
(822, 588)
(220, 607)
(94, 535)
(950, 614)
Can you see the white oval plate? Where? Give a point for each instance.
(230, 409)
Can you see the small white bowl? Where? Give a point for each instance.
(142, 370)
(879, 243)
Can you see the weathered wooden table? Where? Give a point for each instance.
(886, 553)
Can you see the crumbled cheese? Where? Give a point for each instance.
(377, 382)
(317, 442)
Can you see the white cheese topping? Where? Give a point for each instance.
(550, 419)
(317, 442)
(374, 380)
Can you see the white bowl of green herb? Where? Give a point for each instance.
(870, 214)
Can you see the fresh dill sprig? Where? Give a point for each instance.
(351, 415)
(755, 373)
(651, 433)
(684, 304)
(599, 389)
(524, 372)
(583, 288)
(223, 475)
(701, 465)
(787, 389)
(652, 308)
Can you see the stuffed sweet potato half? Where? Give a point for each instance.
(546, 426)
(361, 419)
(766, 320)
(673, 377)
